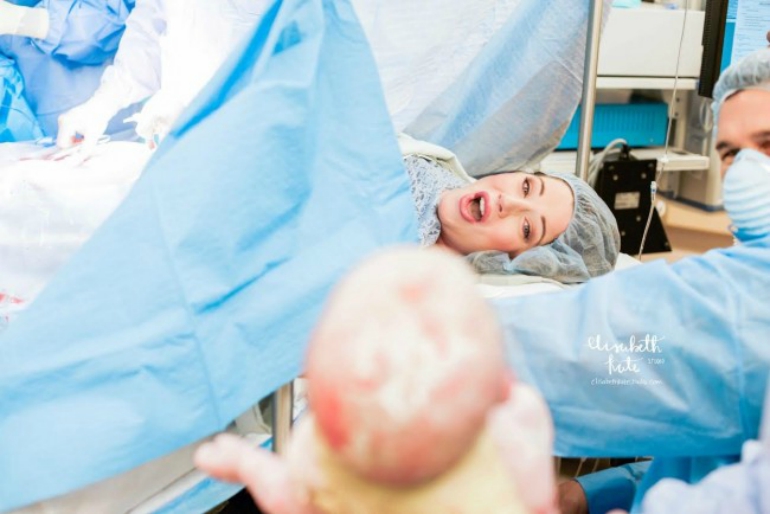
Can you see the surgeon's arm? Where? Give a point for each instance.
(654, 360)
(84, 31)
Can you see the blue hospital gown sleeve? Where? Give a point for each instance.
(612, 488)
(656, 360)
(84, 31)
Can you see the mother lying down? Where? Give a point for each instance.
(548, 225)
(552, 225)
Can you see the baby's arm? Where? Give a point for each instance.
(232, 459)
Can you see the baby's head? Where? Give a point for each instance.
(404, 365)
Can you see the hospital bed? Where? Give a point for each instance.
(170, 484)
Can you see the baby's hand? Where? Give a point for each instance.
(231, 459)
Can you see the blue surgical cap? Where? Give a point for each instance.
(750, 72)
(588, 248)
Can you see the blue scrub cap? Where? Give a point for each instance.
(750, 72)
(588, 248)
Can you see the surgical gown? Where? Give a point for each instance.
(64, 69)
(668, 361)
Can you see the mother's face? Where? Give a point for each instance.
(509, 212)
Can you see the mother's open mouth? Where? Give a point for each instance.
(474, 207)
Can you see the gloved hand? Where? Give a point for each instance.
(88, 120)
(157, 117)
(23, 21)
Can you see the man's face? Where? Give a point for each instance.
(744, 122)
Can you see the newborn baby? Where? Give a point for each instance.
(411, 407)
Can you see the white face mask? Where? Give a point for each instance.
(746, 192)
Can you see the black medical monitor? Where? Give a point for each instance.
(732, 29)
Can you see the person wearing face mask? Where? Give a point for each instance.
(664, 360)
(743, 144)
(550, 225)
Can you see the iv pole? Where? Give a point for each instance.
(589, 88)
